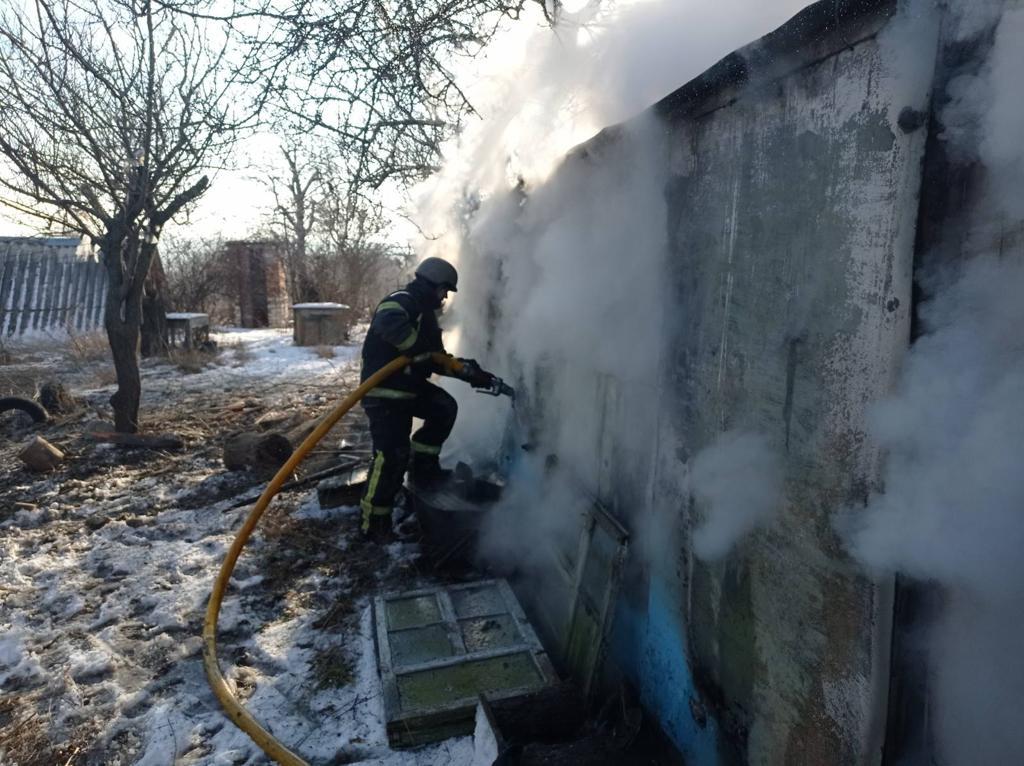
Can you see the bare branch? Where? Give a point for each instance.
(375, 75)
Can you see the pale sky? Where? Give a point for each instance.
(237, 202)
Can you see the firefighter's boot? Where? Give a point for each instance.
(426, 471)
(376, 527)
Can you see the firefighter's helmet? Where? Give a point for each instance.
(439, 272)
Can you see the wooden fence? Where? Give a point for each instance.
(50, 292)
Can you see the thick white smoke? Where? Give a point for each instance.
(954, 489)
(1002, 144)
(580, 304)
(952, 509)
(738, 481)
(540, 93)
(567, 268)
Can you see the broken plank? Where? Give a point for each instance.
(41, 456)
(299, 483)
(139, 441)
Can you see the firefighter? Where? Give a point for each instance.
(405, 323)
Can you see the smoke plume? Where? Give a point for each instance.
(952, 509)
(738, 481)
(563, 259)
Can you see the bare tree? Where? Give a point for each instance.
(296, 193)
(196, 274)
(376, 75)
(352, 244)
(333, 239)
(110, 111)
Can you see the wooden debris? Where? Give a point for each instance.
(272, 419)
(102, 432)
(97, 426)
(41, 456)
(140, 441)
(349, 466)
(298, 433)
(264, 453)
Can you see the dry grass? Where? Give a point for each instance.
(87, 348)
(237, 351)
(324, 352)
(25, 735)
(105, 376)
(19, 382)
(332, 667)
(189, 360)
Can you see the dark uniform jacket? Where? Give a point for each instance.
(403, 324)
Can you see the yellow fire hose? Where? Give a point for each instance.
(235, 710)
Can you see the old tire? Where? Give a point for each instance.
(30, 408)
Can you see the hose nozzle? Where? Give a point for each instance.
(497, 387)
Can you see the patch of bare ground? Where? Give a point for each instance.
(235, 353)
(303, 567)
(193, 360)
(25, 736)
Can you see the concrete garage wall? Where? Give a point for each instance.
(808, 175)
(792, 202)
(792, 209)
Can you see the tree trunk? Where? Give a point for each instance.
(154, 310)
(122, 319)
(123, 336)
(128, 249)
(57, 399)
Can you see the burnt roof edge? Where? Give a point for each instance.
(792, 41)
(786, 49)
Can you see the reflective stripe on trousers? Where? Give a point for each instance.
(369, 509)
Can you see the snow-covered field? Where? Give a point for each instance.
(106, 565)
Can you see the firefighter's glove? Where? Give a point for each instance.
(474, 375)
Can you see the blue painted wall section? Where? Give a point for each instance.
(647, 645)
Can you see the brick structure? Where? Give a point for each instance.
(257, 284)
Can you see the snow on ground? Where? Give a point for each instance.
(106, 566)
